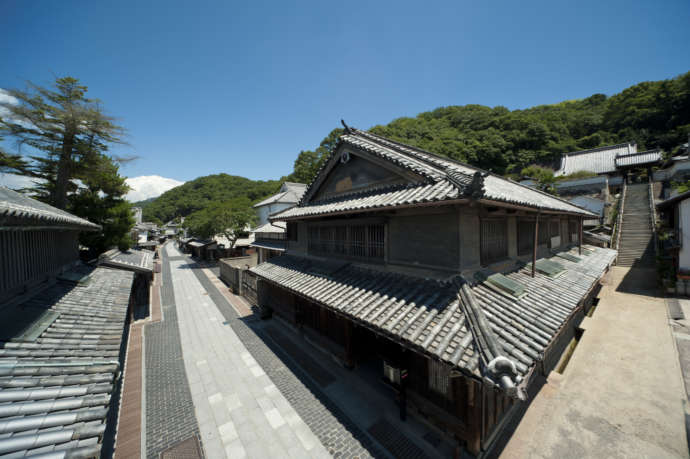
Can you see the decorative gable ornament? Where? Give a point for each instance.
(345, 157)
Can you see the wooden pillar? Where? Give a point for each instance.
(579, 238)
(474, 418)
(349, 349)
(536, 243)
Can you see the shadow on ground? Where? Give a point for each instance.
(334, 428)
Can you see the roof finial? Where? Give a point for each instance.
(347, 128)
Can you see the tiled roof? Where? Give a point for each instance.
(13, 204)
(196, 243)
(270, 227)
(426, 314)
(59, 358)
(672, 200)
(600, 160)
(442, 179)
(636, 159)
(135, 260)
(290, 193)
(268, 244)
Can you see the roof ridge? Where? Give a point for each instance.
(477, 169)
(603, 148)
(653, 150)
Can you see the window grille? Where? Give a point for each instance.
(494, 241)
(525, 237)
(439, 378)
(358, 241)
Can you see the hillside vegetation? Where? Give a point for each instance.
(654, 114)
(204, 192)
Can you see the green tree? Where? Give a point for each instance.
(230, 219)
(309, 162)
(72, 135)
(542, 176)
(65, 126)
(100, 200)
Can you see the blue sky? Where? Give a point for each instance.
(241, 88)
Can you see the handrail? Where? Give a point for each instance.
(619, 218)
(652, 210)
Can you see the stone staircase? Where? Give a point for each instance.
(636, 241)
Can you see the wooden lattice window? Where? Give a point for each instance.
(439, 378)
(357, 241)
(494, 240)
(525, 237)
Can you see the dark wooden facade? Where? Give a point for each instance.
(427, 240)
(31, 256)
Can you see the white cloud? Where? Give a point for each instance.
(16, 182)
(149, 186)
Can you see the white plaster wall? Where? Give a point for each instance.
(264, 211)
(684, 224)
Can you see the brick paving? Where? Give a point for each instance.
(129, 424)
(170, 416)
(335, 430)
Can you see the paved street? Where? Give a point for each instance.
(240, 411)
(621, 394)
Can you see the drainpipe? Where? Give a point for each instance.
(579, 238)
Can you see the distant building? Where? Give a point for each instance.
(61, 327)
(137, 214)
(289, 195)
(612, 160)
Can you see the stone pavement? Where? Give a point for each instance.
(241, 412)
(621, 394)
(169, 412)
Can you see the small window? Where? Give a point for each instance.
(494, 241)
(357, 241)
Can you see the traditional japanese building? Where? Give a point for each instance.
(289, 195)
(61, 335)
(457, 285)
(269, 240)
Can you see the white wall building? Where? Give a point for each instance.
(288, 196)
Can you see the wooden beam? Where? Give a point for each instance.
(536, 243)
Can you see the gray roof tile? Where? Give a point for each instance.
(425, 315)
(55, 390)
(132, 259)
(13, 204)
(442, 179)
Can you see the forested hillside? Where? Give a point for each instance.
(654, 114)
(203, 192)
